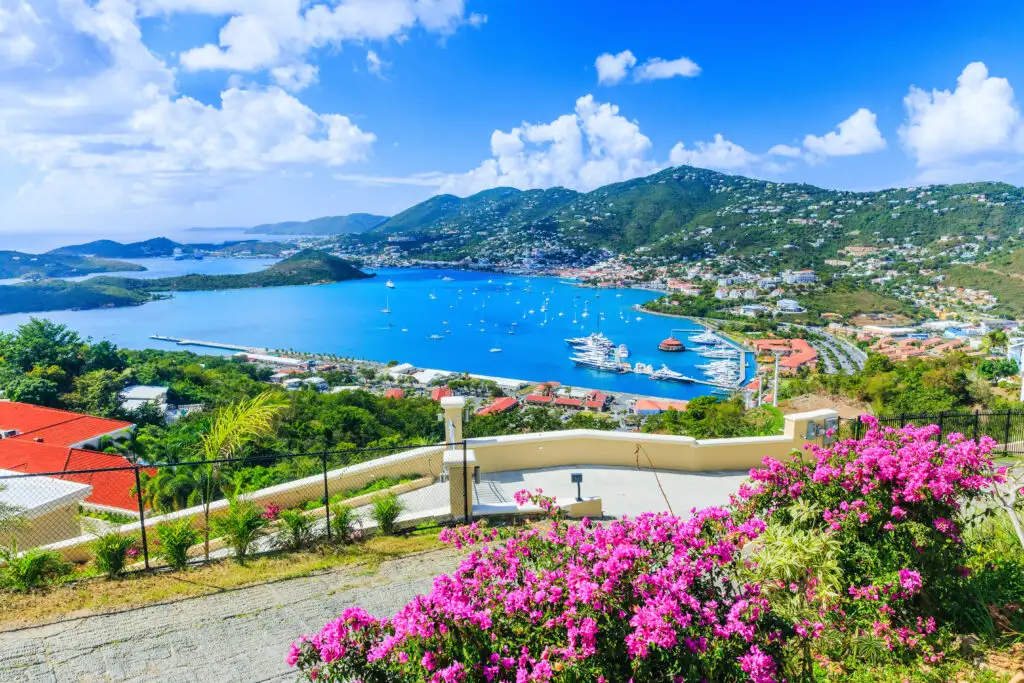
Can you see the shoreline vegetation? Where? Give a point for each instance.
(304, 268)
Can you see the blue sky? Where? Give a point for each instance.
(146, 115)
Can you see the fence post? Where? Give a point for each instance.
(327, 497)
(142, 516)
(1006, 434)
(976, 418)
(857, 432)
(941, 416)
(467, 482)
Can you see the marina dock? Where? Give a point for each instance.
(207, 344)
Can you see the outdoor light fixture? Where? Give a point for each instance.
(577, 478)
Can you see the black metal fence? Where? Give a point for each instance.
(71, 508)
(1006, 427)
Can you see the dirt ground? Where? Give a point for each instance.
(845, 406)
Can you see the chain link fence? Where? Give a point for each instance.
(68, 511)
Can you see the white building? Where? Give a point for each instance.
(799, 277)
(789, 306)
(138, 395)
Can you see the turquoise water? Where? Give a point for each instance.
(473, 313)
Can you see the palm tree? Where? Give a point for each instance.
(232, 428)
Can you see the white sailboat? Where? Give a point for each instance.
(387, 305)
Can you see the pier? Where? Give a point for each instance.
(207, 344)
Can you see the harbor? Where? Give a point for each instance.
(481, 323)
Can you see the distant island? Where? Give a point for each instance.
(15, 264)
(328, 225)
(304, 268)
(162, 247)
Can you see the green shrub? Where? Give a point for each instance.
(112, 553)
(32, 569)
(175, 538)
(343, 523)
(243, 524)
(298, 530)
(385, 511)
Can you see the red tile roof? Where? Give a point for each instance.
(568, 402)
(58, 427)
(112, 489)
(651, 405)
(595, 405)
(499, 406)
(394, 393)
(43, 445)
(537, 398)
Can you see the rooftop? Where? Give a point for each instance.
(35, 496)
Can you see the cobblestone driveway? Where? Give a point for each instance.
(240, 635)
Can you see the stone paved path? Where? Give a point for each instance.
(241, 635)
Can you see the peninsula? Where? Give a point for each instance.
(304, 268)
(16, 264)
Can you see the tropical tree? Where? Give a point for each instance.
(230, 430)
(996, 339)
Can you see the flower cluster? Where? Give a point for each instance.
(620, 601)
(271, 511)
(662, 598)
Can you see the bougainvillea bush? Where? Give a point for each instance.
(852, 552)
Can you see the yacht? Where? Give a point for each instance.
(597, 361)
(447, 279)
(387, 306)
(666, 373)
(623, 351)
(643, 368)
(718, 352)
(705, 338)
(436, 336)
(389, 284)
(495, 350)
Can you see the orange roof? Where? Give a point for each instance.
(72, 432)
(499, 406)
(112, 489)
(652, 405)
(437, 393)
(394, 393)
(537, 398)
(27, 418)
(801, 355)
(568, 402)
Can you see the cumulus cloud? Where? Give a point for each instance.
(858, 134)
(295, 77)
(658, 68)
(94, 109)
(980, 117)
(786, 151)
(719, 154)
(593, 146)
(262, 34)
(612, 69)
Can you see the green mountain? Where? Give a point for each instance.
(328, 225)
(156, 247)
(304, 268)
(15, 264)
(685, 213)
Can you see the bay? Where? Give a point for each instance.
(472, 312)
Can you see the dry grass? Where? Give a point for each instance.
(847, 407)
(90, 596)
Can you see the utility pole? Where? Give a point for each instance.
(775, 388)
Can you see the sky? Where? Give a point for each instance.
(132, 117)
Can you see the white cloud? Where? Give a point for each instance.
(657, 68)
(295, 77)
(858, 134)
(19, 29)
(612, 69)
(590, 147)
(980, 117)
(262, 34)
(374, 64)
(786, 151)
(719, 154)
(93, 120)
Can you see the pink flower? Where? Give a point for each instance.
(910, 581)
